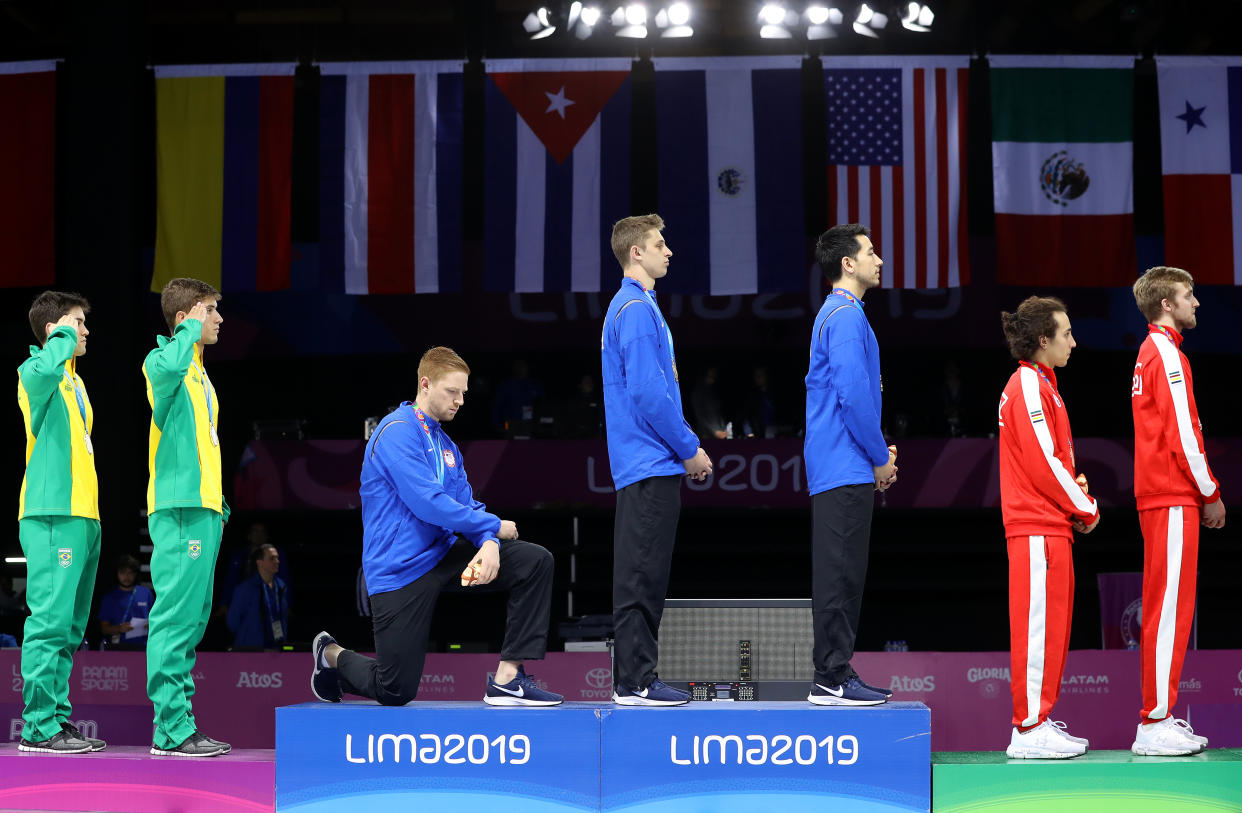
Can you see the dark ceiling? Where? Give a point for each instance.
(190, 31)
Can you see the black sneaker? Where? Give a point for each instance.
(866, 685)
(62, 742)
(76, 733)
(224, 746)
(325, 681)
(195, 745)
(849, 693)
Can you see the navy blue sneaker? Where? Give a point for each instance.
(866, 685)
(325, 681)
(850, 693)
(658, 693)
(521, 691)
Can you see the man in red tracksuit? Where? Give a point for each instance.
(1041, 501)
(1176, 492)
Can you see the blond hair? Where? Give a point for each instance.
(439, 362)
(1156, 285)
(632, 231)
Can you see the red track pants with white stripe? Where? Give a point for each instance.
(1170, 562)
(1041, 607)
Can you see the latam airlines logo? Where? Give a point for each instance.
(1084, 684)
(437, 684)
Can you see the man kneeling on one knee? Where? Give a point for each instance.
(423, 533)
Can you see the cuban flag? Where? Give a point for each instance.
(390, 136)
(558, 173)
(730, 171)
(1201, 157)
(896, 162)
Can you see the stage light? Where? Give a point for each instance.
(817, 15)
(14, 560)
(582, 20)
(772, 14)
(918, 17)
(820, 19)
(636, 14)
(590, 16)
(869, 21)
(679, 14)
(538, 25)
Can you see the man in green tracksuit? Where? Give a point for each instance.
(186, 510)
(58, 520)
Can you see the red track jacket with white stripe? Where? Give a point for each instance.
(1170, 467)
(1038, 492)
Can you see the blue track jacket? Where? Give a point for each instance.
(415, 500)
(647, 434)
(843, 398)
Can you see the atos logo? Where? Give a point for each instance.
(260, 680)
(598, 678)
(905, 683)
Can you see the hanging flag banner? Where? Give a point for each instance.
(1063, 169)
(729, 174)
(28, 174)
(897, 162)
(390, 136)
(557, 172)
(224, 169)
(1201, 160)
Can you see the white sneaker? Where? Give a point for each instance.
(1163, 739)
(1044, 741)
(1083, 741)
(1189, 733)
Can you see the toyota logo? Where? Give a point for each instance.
(598, 678)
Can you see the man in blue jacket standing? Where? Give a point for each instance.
(259, 607)
(423, 532)
(650, 448)
(846, 460)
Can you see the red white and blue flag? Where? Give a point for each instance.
(1201, 158)
(390, 151)
(730, 171)
(897, 162)
(557, 173)
(28, 173)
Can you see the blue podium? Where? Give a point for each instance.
(436, 756)
(759, 757)
(718, 756)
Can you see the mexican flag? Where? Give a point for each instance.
(1062, 170)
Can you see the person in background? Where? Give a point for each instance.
(123, 612)
(259, 607)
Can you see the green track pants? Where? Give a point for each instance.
(62, 555)
(186, 542)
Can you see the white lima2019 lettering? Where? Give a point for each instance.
(756, 749)
(431, 749)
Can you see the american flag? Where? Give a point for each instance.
(896, 162)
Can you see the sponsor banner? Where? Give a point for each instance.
(785, 756)
(935, 473)
(437, 756)
(968, 691)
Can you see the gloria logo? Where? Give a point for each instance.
(105, 678)
(1084, 684)
(260, 680)
(977, 673)
(905, 683)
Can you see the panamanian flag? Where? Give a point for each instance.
(557, 173)
(390, 136)
(729, 144)
(1201, 158)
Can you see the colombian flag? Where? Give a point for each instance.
(224, 145)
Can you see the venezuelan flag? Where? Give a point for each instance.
(224, 146)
